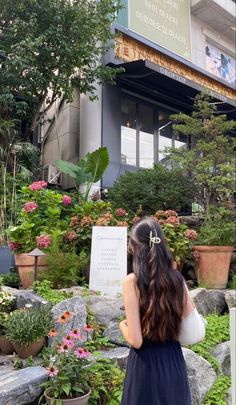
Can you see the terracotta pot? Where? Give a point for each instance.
(5, 346)
(31, 350)
(83, 400)
(25, 265)
(212, 266)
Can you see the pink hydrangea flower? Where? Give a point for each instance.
(37, 185)
(52, 371)
(190, 234)
(43, 241)
(121, 212)
(66, 199)
(170, 213)
(13, 245)
(173, 221)
(30, 206)
(70, 236)
(81, 353)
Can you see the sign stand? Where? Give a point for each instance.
(108, 259)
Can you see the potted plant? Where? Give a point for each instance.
(68, 369)
(27, 328)
(179, 237)
(214, 248)
(5, 346)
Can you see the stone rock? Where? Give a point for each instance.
(222, 354)
(27, 297)
(230, 298)
(18, 387)
(114, 334)
(119, 355)
(105, 309)
(208, 301)
(76, 306)
(200, 374)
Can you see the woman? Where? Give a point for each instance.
(159, 315)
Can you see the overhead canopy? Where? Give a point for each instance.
(164, 84)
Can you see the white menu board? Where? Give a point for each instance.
(108, 259)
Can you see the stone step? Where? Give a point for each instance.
(18, 387)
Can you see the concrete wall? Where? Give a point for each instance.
(111, 130)
(62, 137)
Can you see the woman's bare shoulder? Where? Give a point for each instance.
(130, 279)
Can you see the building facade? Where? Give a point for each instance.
(168, 50)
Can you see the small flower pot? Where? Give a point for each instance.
(26, 270)
(31, 350)
(6, 347)
(83, 400)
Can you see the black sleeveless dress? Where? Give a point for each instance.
(156, 375)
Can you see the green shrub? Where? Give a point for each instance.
(217, 393)
(44, 289)
(64, 269)
(106, 382)
(154, 189)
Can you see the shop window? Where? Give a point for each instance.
(146, 131)
(146, 138)
(128, 132)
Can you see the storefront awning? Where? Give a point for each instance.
(157, 81)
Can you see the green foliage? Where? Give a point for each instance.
(98, 341)
(64, 269)
(29, 325)
(217, 331)
(211, 159)
(217, 393)
(3, 320)
(47, 49)
(17, 161)
(88, 170)
(45, 290)
(11, 280)
(6, 297)
(106, 382)
(218, 228)
(153, 189)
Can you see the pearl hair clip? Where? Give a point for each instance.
(153, 239)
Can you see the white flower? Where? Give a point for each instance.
(28, 305)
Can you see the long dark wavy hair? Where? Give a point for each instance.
(161, 288)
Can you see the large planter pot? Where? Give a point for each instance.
(31, 350)
(26, 269)
(212, 266)
(83, 400)
(6, 347)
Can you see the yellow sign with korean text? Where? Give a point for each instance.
(164, 22)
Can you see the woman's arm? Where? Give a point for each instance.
(131, 326)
